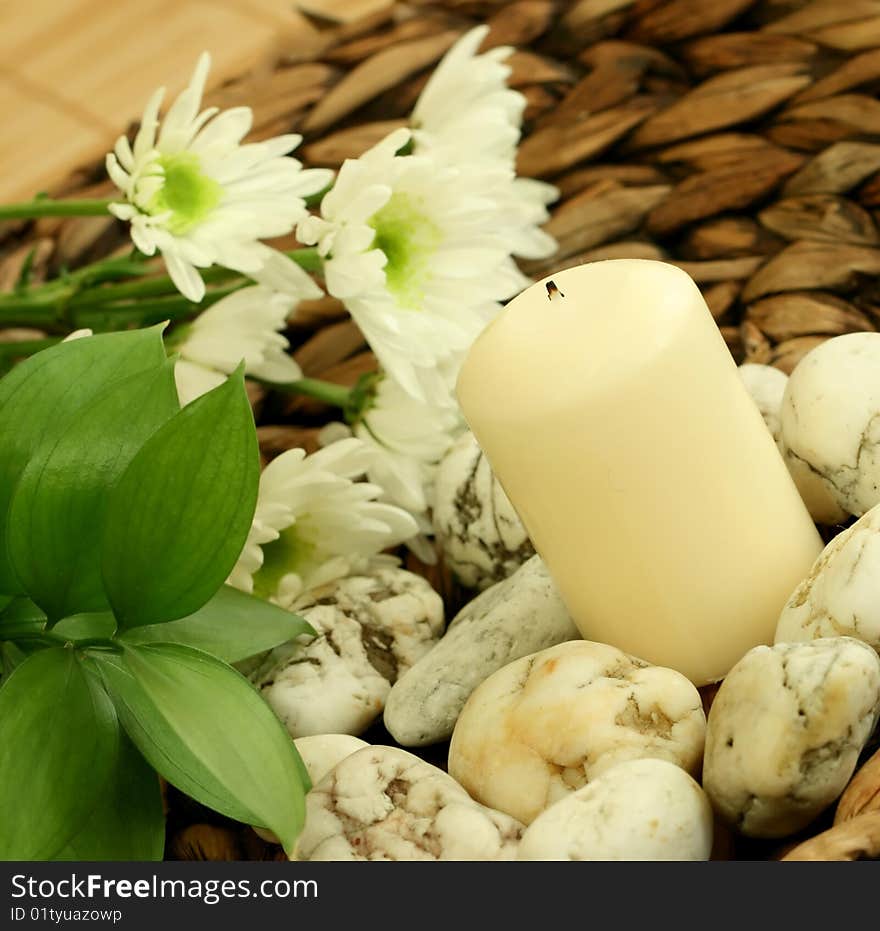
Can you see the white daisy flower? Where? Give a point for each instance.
(314, 523)
(414, 249)
(467, 98)
(194, 193)
(78, 334)
(525, 201)
(407, 438)
(466, 109)
(243, 326)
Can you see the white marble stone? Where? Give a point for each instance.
(371, 629)
(785, 731)
(521, 615)
(816, 493)
(383, 803)
(548, 724)
(841, 595)
(831, 418)
(482, 537)
(639, 810)
(319, 753)
(766, 385)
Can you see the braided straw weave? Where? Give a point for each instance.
(738, 139)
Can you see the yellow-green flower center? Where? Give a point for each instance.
(289, 553)
(409, 238)
(186, 192)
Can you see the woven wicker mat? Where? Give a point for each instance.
(739, 139)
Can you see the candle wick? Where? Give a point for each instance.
(553, 291)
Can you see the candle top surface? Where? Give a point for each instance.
(597, 324)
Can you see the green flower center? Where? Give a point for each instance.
(289, 553)
(186, 192)
(409, 238)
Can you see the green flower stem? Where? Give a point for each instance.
(47, 207)
(50, 638)
(129, 290)
(145, 312)
(46, 303)
(74, 298)
(100, 318)
(308, 259)
(114, 269)
(17, 313)
(324, 391)
(99, 643)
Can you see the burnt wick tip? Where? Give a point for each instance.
(553, 291)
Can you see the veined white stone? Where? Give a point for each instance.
(511, 619)
(639, 810)
(383, 803)
(548, 724)
(785, 731)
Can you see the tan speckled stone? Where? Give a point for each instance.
(383, 803)
(839, 596)
(638, 810)
(785, 732)
(482, 537)
(547, 724)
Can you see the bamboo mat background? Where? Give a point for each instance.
(75, 73)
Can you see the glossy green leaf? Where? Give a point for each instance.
(58, 744)
(160, 743)
(40, 395)
(11, 655)
(128, 822)
(178, 518)
(208, 732)
(100, 624)
(56, 516)
(21, 618)
(232, 626)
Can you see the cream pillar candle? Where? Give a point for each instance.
(611, 411)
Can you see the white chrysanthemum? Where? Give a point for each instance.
(407, 438)
(241, 327)
(197, 195)
(466, 110)
(313, 523)
(415, 250)
(468, 117)
(78, 334)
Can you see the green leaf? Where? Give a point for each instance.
(42, 393)
(58, 743)
(24, 276)
(56, 516)
(11, 655)
(178, 518)
(100, 624)
(21, 618)
(232, 626)
(208, 732)
(128, 823)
